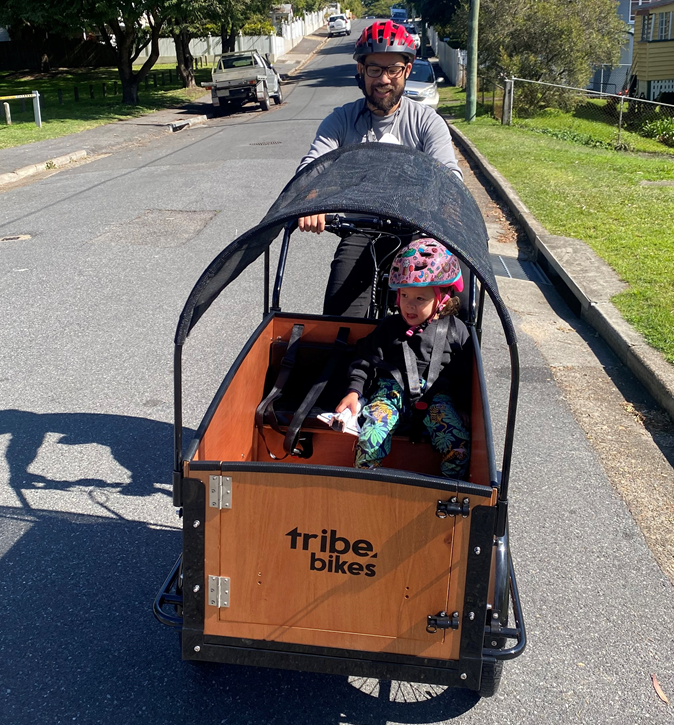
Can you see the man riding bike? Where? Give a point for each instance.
(384, 53)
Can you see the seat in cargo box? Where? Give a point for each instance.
(305, 380)
(313, 364)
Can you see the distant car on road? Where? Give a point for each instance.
(339, 25)
(412, 30)
(422, 85)
(243, 76)
(399, 15)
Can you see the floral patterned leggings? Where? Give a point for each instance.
(382, 416)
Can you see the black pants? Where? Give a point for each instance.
(349, 289)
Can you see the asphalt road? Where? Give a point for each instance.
(87, 529)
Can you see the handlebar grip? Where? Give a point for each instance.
(369, 221)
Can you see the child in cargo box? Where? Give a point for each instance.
(414, 367)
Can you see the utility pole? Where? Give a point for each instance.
(471, 79)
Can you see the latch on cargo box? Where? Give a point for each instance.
(220, 492)
(441, 621)
(453, 507)
(218, 591)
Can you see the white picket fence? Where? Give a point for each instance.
(453, 62)
(276, 45)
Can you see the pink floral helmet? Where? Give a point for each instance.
(425, 263)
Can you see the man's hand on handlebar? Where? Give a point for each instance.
(350, 401)
(314, 223)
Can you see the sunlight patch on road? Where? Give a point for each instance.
(83, 479)
(155, 509)
(61, 462)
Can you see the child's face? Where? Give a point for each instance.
(416, 304)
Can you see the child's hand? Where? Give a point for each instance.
(350, 401)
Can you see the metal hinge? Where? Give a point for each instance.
(452, 507)
(220, 492)
(218, 591)
(441, 621)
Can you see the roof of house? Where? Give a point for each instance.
(646, 9)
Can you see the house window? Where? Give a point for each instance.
(646, 27)
(663, 26)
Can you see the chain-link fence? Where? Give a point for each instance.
(490, 98)
(610, 120)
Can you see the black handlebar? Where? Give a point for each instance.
(349, 223)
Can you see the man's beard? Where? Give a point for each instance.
(384, 104)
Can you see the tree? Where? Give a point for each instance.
(131, 24)
(306, 6)
(438, 13)
(355, 6)
(379, 8)
(233, 16)
(189, 19)
(556, 41)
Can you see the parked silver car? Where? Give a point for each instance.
(422, 85)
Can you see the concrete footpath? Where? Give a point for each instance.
(295, 59)
(587, 283)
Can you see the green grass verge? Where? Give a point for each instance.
(596, 195)
(589, 124)
(590, 127)
(71, 116)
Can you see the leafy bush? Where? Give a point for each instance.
(258, 25)
(661, 130)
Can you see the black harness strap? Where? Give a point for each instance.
(435, 364)
(418, 400)
(266, 407)
(290, 442)
(412, 371)
(441, 333)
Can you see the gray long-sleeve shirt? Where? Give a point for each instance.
(414, 125)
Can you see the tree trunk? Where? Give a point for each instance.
(231, 45)
(228, 37)
(129, 90)
(126, 50)
(181, 38)
(128, 78)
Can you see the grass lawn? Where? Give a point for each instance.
(73, 116)
(589, 125)
(596, 194)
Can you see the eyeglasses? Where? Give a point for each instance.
(392, 71)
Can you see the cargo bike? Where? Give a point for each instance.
(292, 558)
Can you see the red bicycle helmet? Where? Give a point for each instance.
(388, 37)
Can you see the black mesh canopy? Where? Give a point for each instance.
(372, 178)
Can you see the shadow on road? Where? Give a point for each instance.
(79, 642)
(141, 446)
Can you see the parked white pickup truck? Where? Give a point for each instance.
(243, 76)
(339, 25)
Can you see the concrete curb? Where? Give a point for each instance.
(56, 163)
(591, 282)
(187, 123)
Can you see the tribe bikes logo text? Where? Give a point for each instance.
(329, 552)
